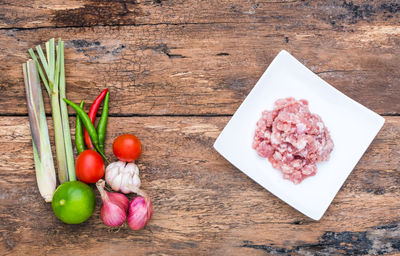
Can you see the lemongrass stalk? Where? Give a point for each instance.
(51, 78)
(46, 84)
(54, 73)
(44, 166)
(64, 116)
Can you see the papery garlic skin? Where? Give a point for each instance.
(123, 177)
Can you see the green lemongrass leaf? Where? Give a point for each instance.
(32, 53)
(57, 120)
(56, 68)
(44, 166)
(43, 60)
(64, 114)
(50, 50)
(50, 75)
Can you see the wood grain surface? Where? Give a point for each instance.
(177, 71)
(210, 68)
(295, 13)
(202, 205)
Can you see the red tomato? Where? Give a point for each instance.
(89, 166)
(127, 147)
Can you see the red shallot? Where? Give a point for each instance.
(114, 208)
(140, 212)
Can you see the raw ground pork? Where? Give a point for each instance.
(292, 139)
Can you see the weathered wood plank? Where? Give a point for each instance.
(331, 13)
(205, 68)
(202, 204)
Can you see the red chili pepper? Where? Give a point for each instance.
(92, 115)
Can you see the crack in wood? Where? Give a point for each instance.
(130, 25)
(134, 13)
(341, 71)
(222, 54)
(164, 49)
(350, 13)
(380, 240)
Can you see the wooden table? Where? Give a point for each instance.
(177, 71)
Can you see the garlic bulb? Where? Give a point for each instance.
(123, 177)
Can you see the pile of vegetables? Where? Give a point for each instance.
(73, 201)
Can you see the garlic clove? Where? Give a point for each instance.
(136, 170)
(124, 183)
(136, 181)
(112, 170)
(110, 173)
(129, 168)
(120, 164)
(116, 184)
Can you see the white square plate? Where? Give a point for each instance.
(351, 125)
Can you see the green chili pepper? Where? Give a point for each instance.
(101, 127)
(79, 141)
(89, 126)
(86, 121)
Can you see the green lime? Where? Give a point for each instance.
(73, 202)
